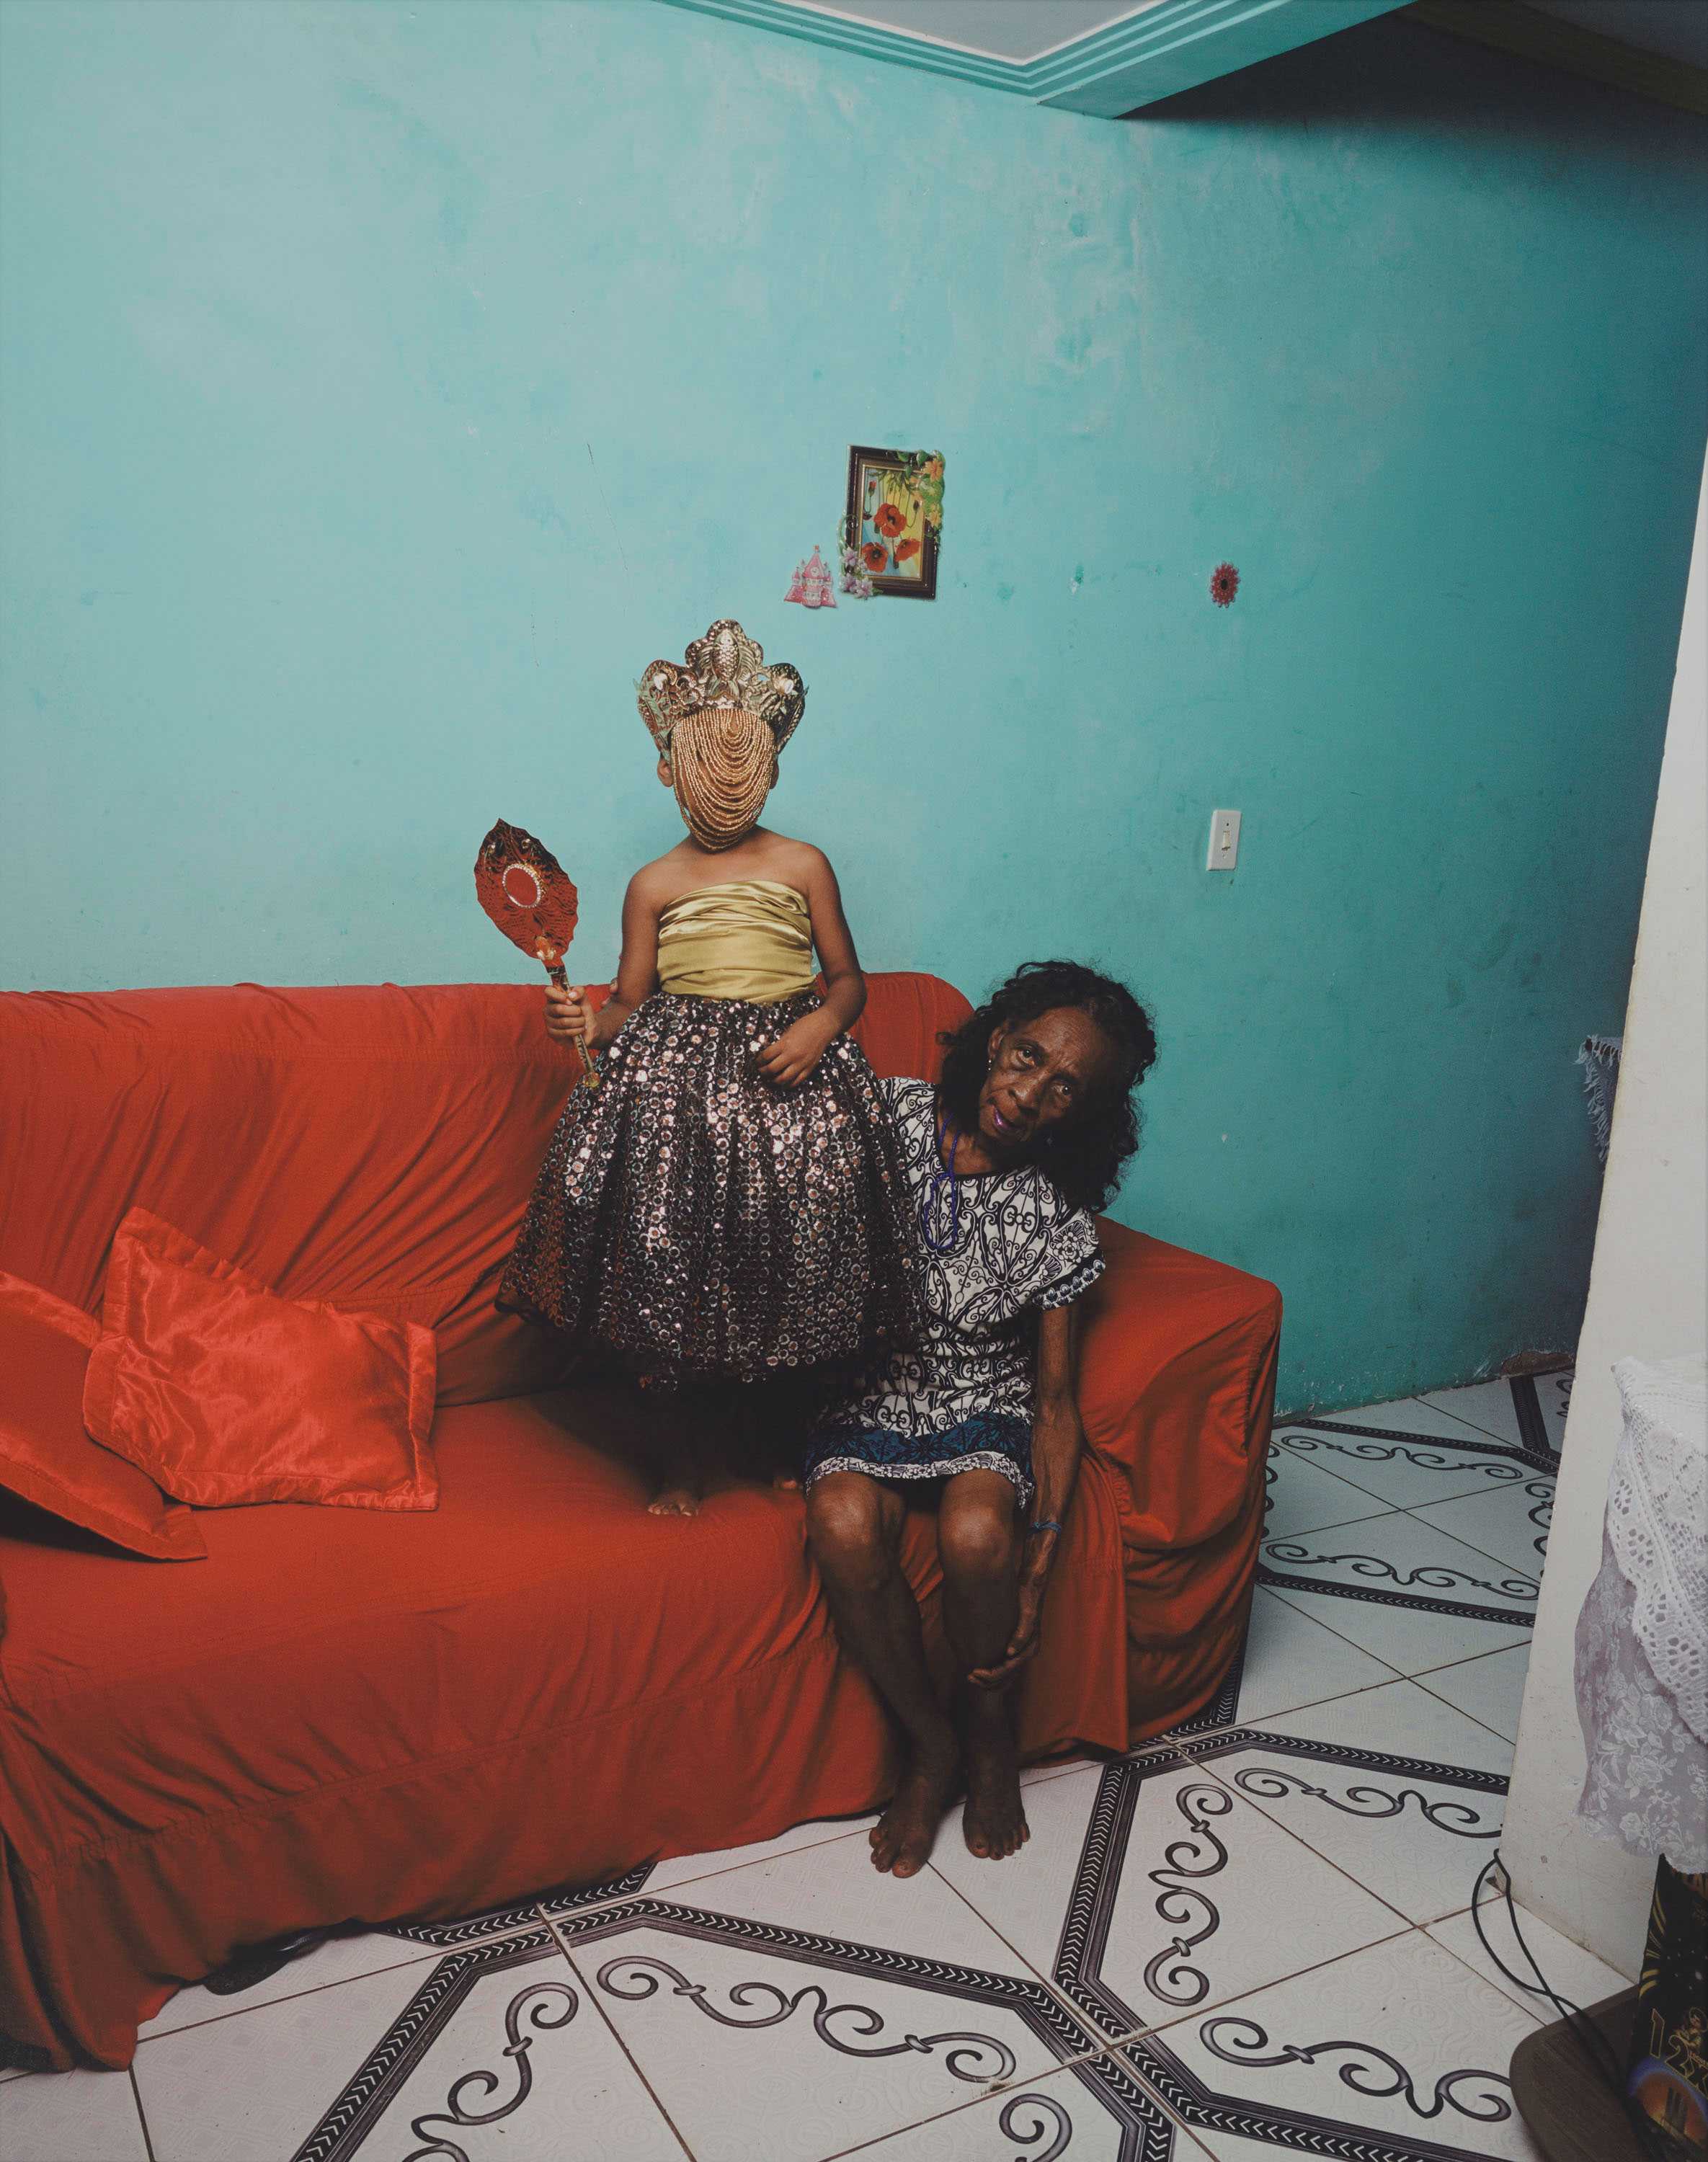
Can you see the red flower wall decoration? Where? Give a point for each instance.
(1223, 584)
(888, 520)
(875, 557)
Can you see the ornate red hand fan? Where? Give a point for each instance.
(528, 894)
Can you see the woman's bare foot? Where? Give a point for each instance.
(994, 1820)
(903, 1837)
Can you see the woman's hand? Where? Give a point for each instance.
(786, 1062)
(1057, 1443)
(1023, 1644)
(569, 1017)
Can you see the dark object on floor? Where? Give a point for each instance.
(1667, 2064)
(256, 1962)
(1563, 2095)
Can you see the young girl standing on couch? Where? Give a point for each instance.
(729, 1206)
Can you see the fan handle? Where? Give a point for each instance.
(560, 975)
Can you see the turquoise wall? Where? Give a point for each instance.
(386, 383)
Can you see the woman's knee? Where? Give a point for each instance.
(977, 1534)
(846, 1525)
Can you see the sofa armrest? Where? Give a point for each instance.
(1176, 1386)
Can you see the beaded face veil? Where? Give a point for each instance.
(719, 720)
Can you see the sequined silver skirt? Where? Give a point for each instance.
(703, 1225)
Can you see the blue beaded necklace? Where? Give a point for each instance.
(944, 1176)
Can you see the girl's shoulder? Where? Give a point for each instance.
(795, 863)
(783, 857)
(661, 879)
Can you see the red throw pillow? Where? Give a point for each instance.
(47, 1458)
(224, 1392)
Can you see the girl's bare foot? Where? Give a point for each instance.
(902, 1838)
(674, 1439)
(994, 1820)
(679, 1496)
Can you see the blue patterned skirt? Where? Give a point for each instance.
(989, 1441)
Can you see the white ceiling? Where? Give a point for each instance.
(1022, 29)
(1001, 30)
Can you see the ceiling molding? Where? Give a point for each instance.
(871, 40)
(1180, 43)
(1512, 27)
(1172, 46)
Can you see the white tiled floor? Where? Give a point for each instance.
(1292, 1659)
(1416, 1838)
(1490, 1688)
(1409, 1594)
(1578, 1975)
(1260, 1925)
(1504, 1410)
(1510, 1523)
(70, 2117)
(1431, 2040)
(687, 1868)
(1308, 1499)
(1408, 1457)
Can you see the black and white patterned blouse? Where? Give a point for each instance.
(1020, 1245)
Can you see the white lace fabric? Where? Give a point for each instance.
(1642, 1648)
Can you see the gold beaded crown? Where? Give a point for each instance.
(724, 668)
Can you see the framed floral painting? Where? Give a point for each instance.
(894, 515)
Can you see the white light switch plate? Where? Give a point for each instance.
(1223, 841)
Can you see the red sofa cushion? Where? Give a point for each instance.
(45, 1456)
(225, 1393)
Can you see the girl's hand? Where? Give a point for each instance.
(786, 1062)
(569, 1018)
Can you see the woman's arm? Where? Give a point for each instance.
(1058, 1439)
(799, 1048)
(568, 1015)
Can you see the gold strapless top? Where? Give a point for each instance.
(751, 939)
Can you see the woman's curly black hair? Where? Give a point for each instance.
(1083, 1153)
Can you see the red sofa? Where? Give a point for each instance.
(344, 1714)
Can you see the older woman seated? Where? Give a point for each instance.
(1024, 1135)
